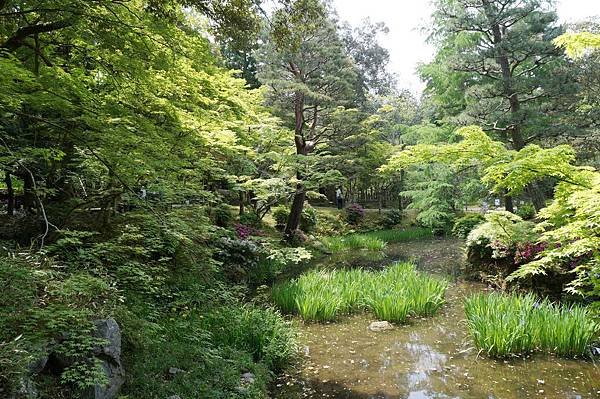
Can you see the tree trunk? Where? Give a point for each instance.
(10, 200)
(241, 196)
(516, 136)
(508, 204)
(28, 193)
(537, 196)
(298, 204)
(295, 213)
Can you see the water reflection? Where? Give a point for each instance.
(429, 359)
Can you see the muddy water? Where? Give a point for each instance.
(427, 359)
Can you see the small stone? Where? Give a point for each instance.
(173, 371)
(380, 326)
(174, 397)
(247, 378)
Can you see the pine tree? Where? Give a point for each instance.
(309, 74)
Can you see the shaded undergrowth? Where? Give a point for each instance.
(393, 294)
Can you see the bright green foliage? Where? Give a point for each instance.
(374, 240)
(260, 332)
(503, 325)
(526, 211)
(501, 232)
(569, 223)
(475, 148)
(393, 294)
(354, 242)
(139, 101)
(266, 193)
(433, 197)
(570, 228)
(576, 44)
(464, 225)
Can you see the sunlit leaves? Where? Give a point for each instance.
(577, 44)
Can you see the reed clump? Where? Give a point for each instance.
(375, 240)
(393, 294)
(503, 325)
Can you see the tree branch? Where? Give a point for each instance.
(17, 40)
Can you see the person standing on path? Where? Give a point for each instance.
(339, 198)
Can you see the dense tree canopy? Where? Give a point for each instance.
(165, 162)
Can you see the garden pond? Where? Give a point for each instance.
(429, 358)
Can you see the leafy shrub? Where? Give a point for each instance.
(250, 219)
(500, 234)
(222, 215)
(440, 225)
(238, 257)
(189, 342)
(569, 228)
(393, 218)
(526, 252)
(308, 218)
(355, 214)
(504, 325)
(280, 214)
(260, 332)
(243, 232)
(464, 225)
(39, 305)
(526, 211)
(255, 262)
(331, 224)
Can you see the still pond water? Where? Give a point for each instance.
(428, 358)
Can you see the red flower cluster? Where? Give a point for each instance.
(244, 232)
(528, 251)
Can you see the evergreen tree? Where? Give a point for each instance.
(514, 79)
(309, 76)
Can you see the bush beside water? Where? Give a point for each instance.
(503, 325)
(393, 294)
(464, 225)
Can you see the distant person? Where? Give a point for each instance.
(339, 198)
(485, 207)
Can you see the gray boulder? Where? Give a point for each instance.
(247, 379)
(380, 326)
(110, 355)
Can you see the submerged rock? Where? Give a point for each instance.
(380, 326)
